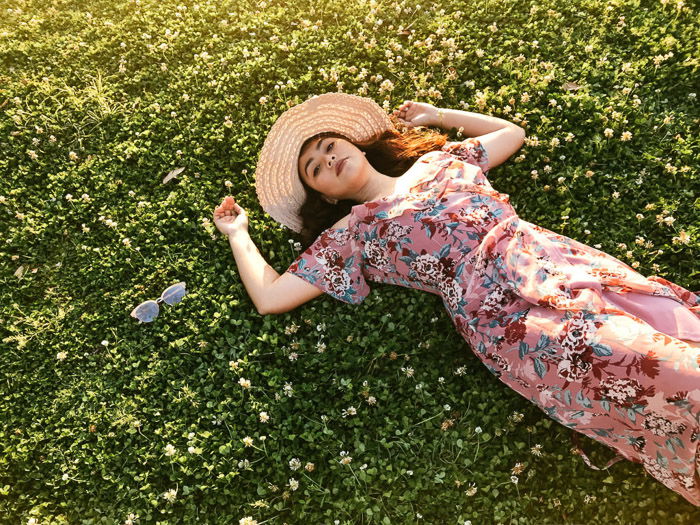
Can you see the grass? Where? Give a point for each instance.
(328, 414)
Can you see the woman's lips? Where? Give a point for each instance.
(340, 166)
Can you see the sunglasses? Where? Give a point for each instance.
(148, 310)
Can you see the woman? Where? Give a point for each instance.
(597, 346)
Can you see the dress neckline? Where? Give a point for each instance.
(396, 195)
(392, 196)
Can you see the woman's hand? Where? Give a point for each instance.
(229, 218)
(414, 114)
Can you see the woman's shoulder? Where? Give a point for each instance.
(342, 223)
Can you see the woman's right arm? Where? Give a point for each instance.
(271, 292)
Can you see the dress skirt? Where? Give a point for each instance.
(598, 347)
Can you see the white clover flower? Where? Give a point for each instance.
(170, 495)
(131, 518)
(170, 450)
(61, 356)
(478, 430)
(248, 441)
(264, 418)
(245, 383)
(294, 463)
(293, 484)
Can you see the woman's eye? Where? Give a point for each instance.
(330, 146)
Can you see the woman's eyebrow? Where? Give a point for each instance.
(318, 145)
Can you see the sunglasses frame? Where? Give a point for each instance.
(161, 299)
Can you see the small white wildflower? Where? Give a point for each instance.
(131, 518)
(170, 495)
(169, 450)
(294, 463)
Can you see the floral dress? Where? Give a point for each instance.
(597, 346)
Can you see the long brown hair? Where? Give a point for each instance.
(392, 153)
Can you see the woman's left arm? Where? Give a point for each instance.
(473, 124)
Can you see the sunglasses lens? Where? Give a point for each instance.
(146, 311)
(174, 293)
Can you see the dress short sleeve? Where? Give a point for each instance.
(469, 150)
(334, 264)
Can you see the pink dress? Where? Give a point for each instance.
(597, 346)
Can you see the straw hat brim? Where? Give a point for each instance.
(277, 183)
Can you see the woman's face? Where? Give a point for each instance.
(319, 162)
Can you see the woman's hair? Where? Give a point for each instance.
(392, 153)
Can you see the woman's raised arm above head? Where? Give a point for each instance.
(271, 292)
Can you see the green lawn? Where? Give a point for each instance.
(330, 414)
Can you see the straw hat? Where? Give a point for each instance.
(277, 183)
